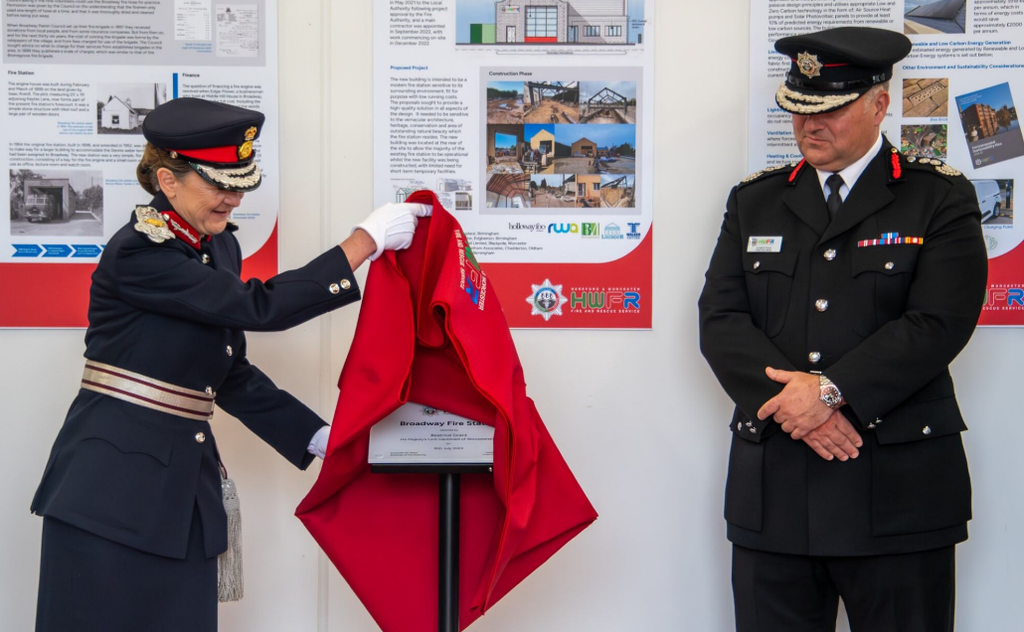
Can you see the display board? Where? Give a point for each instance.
(81, 78)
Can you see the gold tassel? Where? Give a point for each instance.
(229, 563)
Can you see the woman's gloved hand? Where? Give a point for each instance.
(393, 225)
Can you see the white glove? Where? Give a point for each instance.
(393, 225)
(318, 444)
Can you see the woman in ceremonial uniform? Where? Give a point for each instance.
(134, 514)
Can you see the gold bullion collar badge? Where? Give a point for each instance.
(150, 223)
(809, 65)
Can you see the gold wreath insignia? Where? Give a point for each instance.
(809, 65)
(151, 224)
(250, 134)
(245, 150)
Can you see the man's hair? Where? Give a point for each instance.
(869, 96)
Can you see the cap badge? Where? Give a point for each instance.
(809, 65)
(151, 224)
(245, 150)
(250, 134)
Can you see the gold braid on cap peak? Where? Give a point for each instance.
(242, 177)
(812, 104)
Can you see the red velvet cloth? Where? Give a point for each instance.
(431, 331)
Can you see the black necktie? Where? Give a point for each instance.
(834, 201)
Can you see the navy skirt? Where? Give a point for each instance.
(90, 584)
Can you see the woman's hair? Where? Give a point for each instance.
(153, 159)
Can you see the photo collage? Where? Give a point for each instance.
(561, 144)
(988, 117)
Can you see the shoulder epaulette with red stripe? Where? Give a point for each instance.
(792, 169)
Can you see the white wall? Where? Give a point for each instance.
(638, 415)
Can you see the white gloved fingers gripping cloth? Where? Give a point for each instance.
(392, 226)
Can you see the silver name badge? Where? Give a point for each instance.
(765, 244)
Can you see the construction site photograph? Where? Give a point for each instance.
(554, 102)
(595, 149)
(552, 191)
(618, 191)
(506, 190)
(608, 102)
(505, 102)
(934, 17)
(504, 149)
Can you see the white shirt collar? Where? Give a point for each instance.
(851, 173)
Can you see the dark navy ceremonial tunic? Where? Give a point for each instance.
(141, 481)
(880, 298)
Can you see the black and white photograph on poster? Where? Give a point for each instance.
(56, 203)
(995, 198)
(122, 107)
(551, 102)
(608, 102)
(595, 149)
(934, 17)
(238, 30)
(990, 124)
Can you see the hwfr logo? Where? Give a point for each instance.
(604, 300)
(546, 300)
(1004, 297)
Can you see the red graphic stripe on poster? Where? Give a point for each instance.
(42, 295)
(612, 295)
(262, 264)
(1004, 302)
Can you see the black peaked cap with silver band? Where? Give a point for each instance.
(831, 69)
(216, 139)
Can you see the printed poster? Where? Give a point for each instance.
(79, 85)
(954, 99)
(533, 123)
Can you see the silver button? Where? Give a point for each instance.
(814, 357)
(757, 264)
(335, 288)
(200, 437)
(739, 425)
(209, 390)
(926, 430)
(821, 304)
(830, 254)
(750, 424)
(878, 421)
(206, 258)
(166, 217)
(753, 431)
(345, 284)
(889, 265)
(871, 426)
(230, 351)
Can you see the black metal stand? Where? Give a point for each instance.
(449, 476)
(448, 554)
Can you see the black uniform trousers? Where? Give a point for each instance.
(911, 592)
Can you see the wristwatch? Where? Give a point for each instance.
(830, 395)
